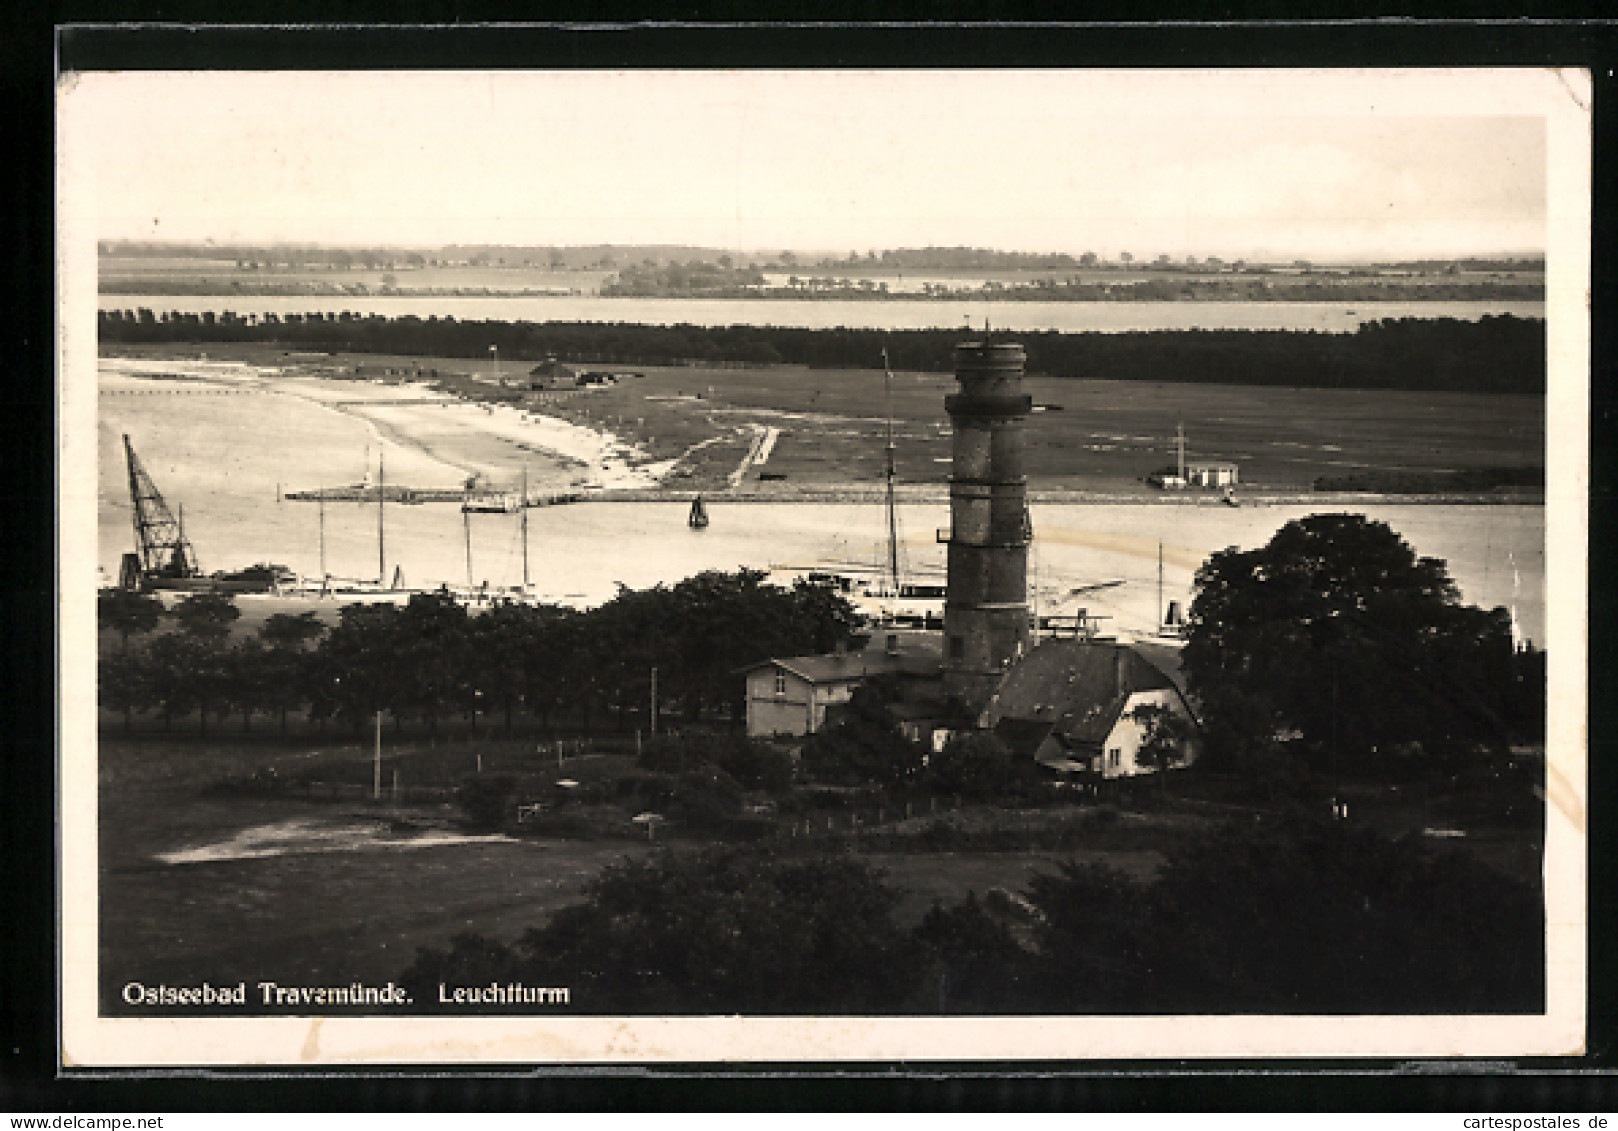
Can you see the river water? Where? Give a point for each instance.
(891, 314)
(227, 451)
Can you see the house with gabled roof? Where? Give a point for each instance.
(1071, 704)
(792, 695)
(554, 374)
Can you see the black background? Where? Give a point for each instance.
(697, 35)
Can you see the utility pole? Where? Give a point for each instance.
(466, 521)
(1179, 435)
(376, 777)
(654, 702)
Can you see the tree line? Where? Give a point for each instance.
(1496, 354)
(430, 659)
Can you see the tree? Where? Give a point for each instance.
(206, 615)
(189, 672)
(980, 965)
(717, 932)
(1164, 741)
(431, 661)
(1335, 635)
(285, 630)
(977, 765)
(499, 643)
(749, 762)
(350, 671)
(128, 613)
(123, 683)
(1294, 915)
(283, 661)
(248, 683)
(866, 745)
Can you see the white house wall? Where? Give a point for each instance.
(1129, 734)
(798, 710)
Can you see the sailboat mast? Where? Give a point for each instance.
(322, 498)
(381, 539)
(466, 521)
(525, 528)
(893, 519)
(1160, 585)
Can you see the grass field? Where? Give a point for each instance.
(1094, 436)
(200, 884)
(342, 904)
(1105, 436)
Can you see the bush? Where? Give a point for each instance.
(487, 799)
(703, 799)
(866, 746)
(976, 765)
(716, 932)
(1295, 915)
(751, 763)
(978, 964)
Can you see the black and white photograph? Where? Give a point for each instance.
(628, 566)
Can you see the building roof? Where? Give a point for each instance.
(1076, 690)
(914, 655)
(1166, 658)
(552, 365)
(1057, 674)
(1023, 737)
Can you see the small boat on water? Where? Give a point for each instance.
(698, 519)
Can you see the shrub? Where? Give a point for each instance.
(724, 931)
(1295, 915)
(487, 799)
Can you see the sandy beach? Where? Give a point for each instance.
(444, 440)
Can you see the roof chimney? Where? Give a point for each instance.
(1120, 657)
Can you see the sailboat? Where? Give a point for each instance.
(698, 519)
(885, 594)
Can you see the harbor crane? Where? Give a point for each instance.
(162, 549)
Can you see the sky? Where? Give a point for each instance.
(1241, 164)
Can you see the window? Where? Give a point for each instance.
(780, 683)
(1115, 757)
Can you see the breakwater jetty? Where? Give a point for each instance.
(372, 493)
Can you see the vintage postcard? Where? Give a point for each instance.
(621, 567)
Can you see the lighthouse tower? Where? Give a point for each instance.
(986, 613)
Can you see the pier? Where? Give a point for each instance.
(371, 493)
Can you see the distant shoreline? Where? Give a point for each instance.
(1323, 293)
